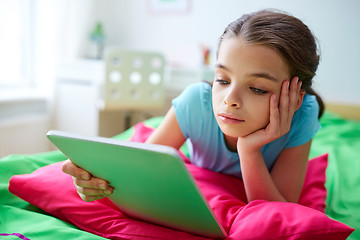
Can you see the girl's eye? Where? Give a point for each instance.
(258, 91)
(222, 82)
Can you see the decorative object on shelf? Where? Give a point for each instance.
(97, 36)
(206, 55)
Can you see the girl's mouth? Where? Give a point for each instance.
(229, 119)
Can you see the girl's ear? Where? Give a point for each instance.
(300, 100)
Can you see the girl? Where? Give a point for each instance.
(257, 119)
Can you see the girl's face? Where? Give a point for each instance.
(246, 75)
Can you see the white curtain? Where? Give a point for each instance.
(36, 35)
(61, 34)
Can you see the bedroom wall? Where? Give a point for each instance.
(65, 25)
(23, 126)
(334, 23)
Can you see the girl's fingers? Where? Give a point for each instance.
(93, 187)
(294, 94)
(274, 110)
(89, 188)
(282, 111)
(93, 192)
(284, 101)
(289, 98)
(90, 198)
(273, 127)
(95, 183)
(70, 168)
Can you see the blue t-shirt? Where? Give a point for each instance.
(194, 113)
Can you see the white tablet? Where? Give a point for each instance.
(151, 182)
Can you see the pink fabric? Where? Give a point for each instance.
(313, 193)
(52, 190)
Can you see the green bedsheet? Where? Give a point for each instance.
(340, 138)
(18, 216)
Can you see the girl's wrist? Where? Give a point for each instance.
(249, 152)
(244, 148)
(250, 157)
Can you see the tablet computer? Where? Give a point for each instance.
(151, 182)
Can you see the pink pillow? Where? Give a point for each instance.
(52, 190)
(313, 194)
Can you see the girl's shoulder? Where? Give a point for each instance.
(198, 88)
(197, 94)
(305, 122)
(309, 108)
(193, 109)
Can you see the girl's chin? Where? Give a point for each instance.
(239, 130)
(234, 133)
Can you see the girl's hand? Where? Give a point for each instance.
(281, 113)
(89, 188)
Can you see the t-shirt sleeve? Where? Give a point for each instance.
(189, 109)
(305, 122)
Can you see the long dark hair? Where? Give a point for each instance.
(287, 35)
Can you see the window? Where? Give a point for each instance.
(16, 34)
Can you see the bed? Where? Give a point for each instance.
(42, 216)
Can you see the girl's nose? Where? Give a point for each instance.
(232, 100)
(231, 104)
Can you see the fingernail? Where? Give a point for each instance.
(85, 177)
(102, 186)
(274, 98)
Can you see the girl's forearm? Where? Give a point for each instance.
(257, 179)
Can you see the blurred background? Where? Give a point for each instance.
(53, 72)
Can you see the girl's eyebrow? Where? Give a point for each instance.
(219, 65)
(258, 75)
(264, 75)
